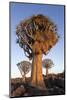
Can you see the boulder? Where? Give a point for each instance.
(19, 91)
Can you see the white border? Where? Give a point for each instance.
(4, 48)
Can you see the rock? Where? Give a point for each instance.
(26, 94)
(19, 91)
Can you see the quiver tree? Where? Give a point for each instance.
(47, 63)
(36, 35)
(24, 68)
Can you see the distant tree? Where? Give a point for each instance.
(37, 35)
(47, 63)
(24, 68)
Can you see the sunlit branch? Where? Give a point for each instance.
(25, 42)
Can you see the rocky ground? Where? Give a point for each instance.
(55, 85)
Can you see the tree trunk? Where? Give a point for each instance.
(36, 74)
(24, 78)
(47, 72)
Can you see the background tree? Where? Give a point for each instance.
(24, 68)
(47, 63)
(37, 35)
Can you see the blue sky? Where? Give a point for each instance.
(19, 12)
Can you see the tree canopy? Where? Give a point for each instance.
(24, 67)
(36, 34)
(47, 63)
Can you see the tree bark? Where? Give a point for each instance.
(47, 72)
(36, 74)
(24, 78)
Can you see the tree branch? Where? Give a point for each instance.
(30, 36)
(25, 41)
(27, 50)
